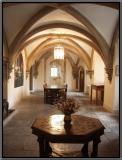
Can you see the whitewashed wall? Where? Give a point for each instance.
(16, 94)
(98, 67)
(99, 73)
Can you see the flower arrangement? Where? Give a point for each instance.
(69, 106)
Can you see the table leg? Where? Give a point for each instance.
(44, 148)
(48, 149)
(95, 147)
(41, 147)
(85, 150)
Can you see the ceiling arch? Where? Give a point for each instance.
(58, 24)
(96, 33)
(111, 5)
(71, 48)
(64, 36)
(67, 40)
(87, 23)
(48, 53)
(70, 42)
(69, 26)
(71, 11)
(78, 46)
(67, 9)
(42, 12)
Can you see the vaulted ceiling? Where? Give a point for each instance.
(80, 27)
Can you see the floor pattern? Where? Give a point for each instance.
(18, 140)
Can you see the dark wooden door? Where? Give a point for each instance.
(81, 81)
(31, 78)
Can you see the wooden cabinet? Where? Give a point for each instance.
(97, 88)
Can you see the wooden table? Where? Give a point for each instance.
(97, 87)
(52, 129)
(51, 93)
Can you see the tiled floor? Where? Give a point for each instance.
(18, 140)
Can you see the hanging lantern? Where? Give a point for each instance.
(59, 52)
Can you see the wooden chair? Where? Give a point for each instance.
(44, 87)
(48, 96)
(62, 94)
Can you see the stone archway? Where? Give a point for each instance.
(68, 9)
(100, 41)
(74, 49)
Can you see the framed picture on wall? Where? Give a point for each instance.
(18, 72)
(117, 70)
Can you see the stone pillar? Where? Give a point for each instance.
(111, 90)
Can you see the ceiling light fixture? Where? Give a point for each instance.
(58, 52)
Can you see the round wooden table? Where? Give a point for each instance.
(82, 130)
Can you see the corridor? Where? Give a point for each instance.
(18, 140)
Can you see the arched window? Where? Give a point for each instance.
(54, 71)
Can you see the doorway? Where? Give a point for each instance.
(81, 81)
(31, 78)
